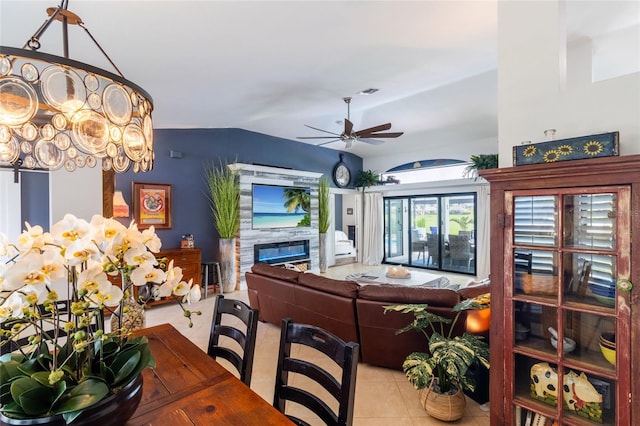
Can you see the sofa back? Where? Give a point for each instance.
(379, 343)
(304, 297)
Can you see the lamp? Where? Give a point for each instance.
(57, 112)
(120, 206)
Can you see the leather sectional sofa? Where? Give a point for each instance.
(351, 311)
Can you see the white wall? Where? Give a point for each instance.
(543, 86)
(10, 214)
(78, 192)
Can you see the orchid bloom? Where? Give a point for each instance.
(53, 263)
(111, 297)
(70, 229)
(93, 279)
(193, 295)
(32, 238)
(13, 307)
(105, 229)
(139, 255)
(146, 273)
(151, 240)
(6, 249)
(81, 251)
(26, 273)
(182, 288)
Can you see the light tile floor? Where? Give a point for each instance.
(383, 396)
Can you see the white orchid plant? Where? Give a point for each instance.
(57, 357)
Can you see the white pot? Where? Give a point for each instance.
(323, 252)
(228, 263)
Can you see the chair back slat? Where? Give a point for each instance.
(344, 355)
(246, 339)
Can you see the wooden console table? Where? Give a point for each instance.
(188, 387)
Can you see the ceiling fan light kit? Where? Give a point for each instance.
(370, 135)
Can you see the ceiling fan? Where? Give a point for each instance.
(348, 136)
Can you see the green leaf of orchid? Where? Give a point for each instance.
(36, 401)
(82, 396)
(42, 377)
(124, 365)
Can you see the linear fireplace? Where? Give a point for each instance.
(281, 252)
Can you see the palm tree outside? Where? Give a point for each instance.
(297, 199)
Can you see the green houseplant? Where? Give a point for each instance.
(365, 179)
(224, 199)
(59, 360)
(480, 162)
(444, 368)
(323, 219)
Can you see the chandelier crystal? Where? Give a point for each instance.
(57, 112)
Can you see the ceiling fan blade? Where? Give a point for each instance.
(324, 143)
(348, 126)
(320, 130)
(371, 141)
(382, 135)
(316, 137)
(374, 129)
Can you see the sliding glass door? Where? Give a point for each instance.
(432, 231)
(395, 219)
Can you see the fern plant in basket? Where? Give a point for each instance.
(444, 370)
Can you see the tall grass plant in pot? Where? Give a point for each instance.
(224, 199)
(323, 220)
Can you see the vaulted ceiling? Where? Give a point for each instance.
(274, 66)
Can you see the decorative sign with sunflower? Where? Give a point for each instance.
(602, 145)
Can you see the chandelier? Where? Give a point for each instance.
(57, 112)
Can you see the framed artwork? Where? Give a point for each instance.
(592, 146)
(151, 205)
(349, 210)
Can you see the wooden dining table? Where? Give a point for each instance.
(188, 387)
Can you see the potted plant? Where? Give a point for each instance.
(365, 179)
(323, 220)
(442, 373)
(224, 198)
(60, 363)
(480, 162)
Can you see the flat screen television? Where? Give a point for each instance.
(280, 206)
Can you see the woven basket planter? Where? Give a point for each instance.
(447, 408)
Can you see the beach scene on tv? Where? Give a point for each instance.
(280, 206)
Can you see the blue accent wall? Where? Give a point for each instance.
(34, 198)
(199, 147)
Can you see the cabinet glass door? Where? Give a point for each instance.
(570, 321)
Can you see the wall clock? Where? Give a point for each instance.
(341, 174)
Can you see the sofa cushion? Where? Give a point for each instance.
(405, 294)
(329, 285)
(275, 272)
(470, 292)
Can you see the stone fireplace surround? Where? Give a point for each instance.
(248, 237)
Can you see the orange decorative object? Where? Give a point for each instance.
(478, 320)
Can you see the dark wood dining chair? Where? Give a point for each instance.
(246, 338)
(345, 355)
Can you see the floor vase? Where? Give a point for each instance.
(323, 252)
(227, 248)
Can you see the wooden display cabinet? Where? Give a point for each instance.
(187, 259)
(561, 261)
